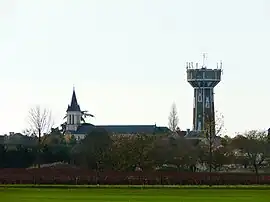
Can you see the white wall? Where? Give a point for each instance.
(73, 120)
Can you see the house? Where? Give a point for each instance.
(75, 124)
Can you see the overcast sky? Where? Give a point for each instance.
(127, 59)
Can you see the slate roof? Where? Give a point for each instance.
(74, 106)
(2, 139)
(182, 133)
(84, 128)
(193, 134)
(122, 129)
(130, 129)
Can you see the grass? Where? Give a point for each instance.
(129, 194)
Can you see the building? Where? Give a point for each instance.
(75, 124)
(203, 81)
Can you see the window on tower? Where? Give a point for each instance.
(200, 97)
(207, 103)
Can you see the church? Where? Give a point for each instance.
(75, 124)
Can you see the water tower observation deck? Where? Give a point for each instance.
(203, 77)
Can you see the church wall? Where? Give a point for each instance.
(74, 120)
(79, 136)
(76, 136)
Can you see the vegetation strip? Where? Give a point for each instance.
(252, 187)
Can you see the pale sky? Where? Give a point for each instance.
(127, 59)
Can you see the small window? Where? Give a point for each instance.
(207, 102)
(69, 121)
(200, 97)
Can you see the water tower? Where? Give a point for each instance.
(203, 80)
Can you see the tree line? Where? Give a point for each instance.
(101, 150)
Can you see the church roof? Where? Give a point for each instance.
(74, 106)
(84, 128)
(129, 129)
(122, 129)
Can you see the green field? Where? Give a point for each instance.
(132, 194)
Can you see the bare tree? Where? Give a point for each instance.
(173, 118)
(213, 128)
(40, 121)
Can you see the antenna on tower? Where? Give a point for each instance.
(220, 64)
(204, 60)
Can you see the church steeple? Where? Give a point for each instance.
(74, 114)
(74, 106)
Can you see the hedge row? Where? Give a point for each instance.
(53, 186)
(74, 176)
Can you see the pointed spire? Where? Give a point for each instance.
(74, 106)
(74, 99)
